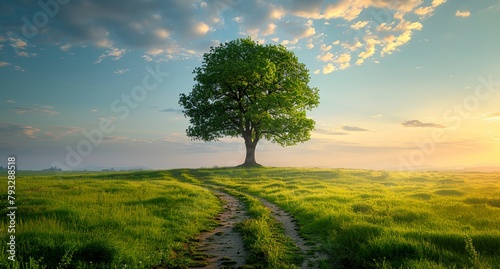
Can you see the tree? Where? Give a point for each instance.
(250, 90)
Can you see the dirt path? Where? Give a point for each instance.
(223, 247)
(291, 228)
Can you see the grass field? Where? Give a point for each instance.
(363, 219)
(107, 220)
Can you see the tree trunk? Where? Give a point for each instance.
(250, 156)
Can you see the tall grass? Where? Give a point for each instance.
(361, 218)
(97, 221)
(265, 239)
(381, 219)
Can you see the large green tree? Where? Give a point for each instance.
(250, 90)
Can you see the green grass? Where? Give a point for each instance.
(378, 219)
(264, 237)
(362, 218)
(107, 220)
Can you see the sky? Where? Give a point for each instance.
(408, 84)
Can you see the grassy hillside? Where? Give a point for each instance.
(377, 219)
(363, 219)
(107, 220)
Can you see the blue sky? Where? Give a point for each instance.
(406, 84)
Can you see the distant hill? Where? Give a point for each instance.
(482, 169)
(120, 168)
(471, 168)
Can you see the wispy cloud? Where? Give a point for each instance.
(172, 110)
(12, 130)
(417, 123)
(180, 138)
(65, 47)
(491, 117)
(59, 132)
(327, 69)
(2, 64)
(353, 129)
(464, 13)
(38, 109)
(330, 132)
(121, 71)
(113, 53)
(10, 101)
(181, 29)
(115, 139)
(66, 131)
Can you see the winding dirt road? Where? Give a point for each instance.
(223, 247)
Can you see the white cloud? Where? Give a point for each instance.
(201, 28)
(352, 47)
(324, 47)
(147, 58)
(327, 69)
(406, 25)
(12, 130)
(48, 110)
(464, 13)
(417, 123)
(18, 68)
(104, 43)
(353, 128)
(18, 43)
(345, 9)
(289, 42)
(2, 64)
(30, 131)
(161, 33)
(306, 33)
(326, 57)
(384, 27)
(113, 53)
(269, 30)
(358, 25)
(436, 3)
(393, 42)
(65, 47)
(350, 10)
(121, 71)
(173, 29)
(343, 60)
(424, 10)
(370, 48)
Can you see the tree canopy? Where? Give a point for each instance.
(250, 90)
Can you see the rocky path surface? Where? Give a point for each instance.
(223, 246)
